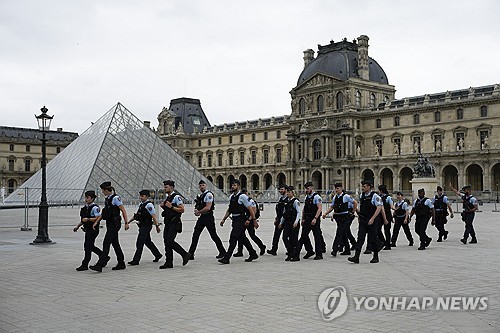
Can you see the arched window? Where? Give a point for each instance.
(338, 124)
(378, 123)
(396, 121)
(302, 106)
(373, 101)
(460, 114)
(320, 104)
(340, 100)
(358, 99)
(317, 149)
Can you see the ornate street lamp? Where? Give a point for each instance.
(43, 209)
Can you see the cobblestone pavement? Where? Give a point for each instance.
(41, 291)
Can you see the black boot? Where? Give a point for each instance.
(440, 239)
(375, 258)
(83, 267)
(355, 259)
(119, 266)
(473, 240)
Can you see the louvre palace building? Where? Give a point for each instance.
(345, 125)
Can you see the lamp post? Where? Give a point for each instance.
(496, 201)
(43, 209)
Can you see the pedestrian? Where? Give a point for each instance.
(113, 206)
(370, 205)
(145, 217)
(470, 206)
(311, 221)
(280, 206)
(401, 220)
(242, 215)
(423, 210)
(173, 207)
(290, 224)
(441, 206)
(251, 228)
(386, 214)
(88, 215)
(340, 207)
(204, 209)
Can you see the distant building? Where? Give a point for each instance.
(346, 125)
(21, 153)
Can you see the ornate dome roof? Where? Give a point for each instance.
(340, 60)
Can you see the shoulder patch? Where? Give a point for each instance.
(378, 199)
(97, 209)
(150, 208)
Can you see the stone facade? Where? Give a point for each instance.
(21, 153)
(346, 125)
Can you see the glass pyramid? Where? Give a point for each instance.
(117, 148)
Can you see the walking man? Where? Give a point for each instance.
(280, 206)
(423, 210)
(470, 206)
(204, 209)
(441, 207)
(145, 216)
(239, 205)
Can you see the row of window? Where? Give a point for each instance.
(27, 164)
(483, 112)
(242, 138)
(28, 148)
(339, 102)
(252, 159)
(438, 142)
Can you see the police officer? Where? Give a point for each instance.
(441, 207)
(88, 215)
(251, 228)
(401, 220)
(340, 206)
(173, 207)
(204, 209)
(470, 206)
(311, 221)
(386, 213)
(290, 223)
(238, 207)
(368, 218)
(145, 216)
(113, 205)
(280, 206)
(423, 210)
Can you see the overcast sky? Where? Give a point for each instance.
(240, 58)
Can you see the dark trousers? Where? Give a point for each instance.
(319, 243)
(276, 237)
(290, 237)
(238, 233)
(111, 238)
(206, 221)
(469, 228)
(440, 222)
(364, 229)
(251, 232)
(385, 236)
(421, 227)
(341, 240)
(398, 223)
(144, 238)
(89, 245)
(169, 234)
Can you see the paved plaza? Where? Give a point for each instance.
(41, 291)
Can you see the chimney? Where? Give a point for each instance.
(147, 123)
(363, 70)
(308, 57)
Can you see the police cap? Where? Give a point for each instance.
(90, 194)
(337, 185)
(169, 182)
(105, 185)
(144, 192)
(201, 182)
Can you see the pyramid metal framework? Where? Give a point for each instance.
(117, 148)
